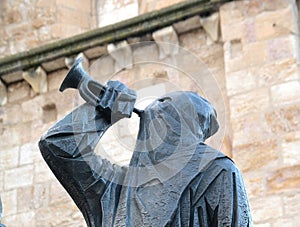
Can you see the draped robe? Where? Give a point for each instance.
(173, 179)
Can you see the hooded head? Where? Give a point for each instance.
(175, 122)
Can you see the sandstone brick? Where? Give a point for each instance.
(55, 79)
(291, 204)
(18, 91)
(61, 30)
(9, 202)
(102, 69)
(29, 153)
(9, 158)
(18, 177)
(188, 41)
(286, 222)
(57, 193)
(32, 109)
(42, 173)
(255, 54)
(240, 81)
(283, 179)
(275, 23)
(281, 48)
(256, 101)
(232, 31)
(258, 155)
(290, 152)
(9, 137)
(25, 219)
(284, 119)
(73, 17)
(11, 114)
(255, 183)
(266, 208)
(276, 72)
(286, 93)
(13, 16)
(75, 4)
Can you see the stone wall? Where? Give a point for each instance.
(261, 51)
(250, 73)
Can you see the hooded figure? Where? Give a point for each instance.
(173, 178)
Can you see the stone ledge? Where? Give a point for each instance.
(137, 26)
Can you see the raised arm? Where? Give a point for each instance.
(68, 148)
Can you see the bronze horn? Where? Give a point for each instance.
(89, 89)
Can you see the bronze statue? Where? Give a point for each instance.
(173, 179)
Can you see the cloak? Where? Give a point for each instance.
(173, 179)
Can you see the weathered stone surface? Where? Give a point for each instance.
(188, 41)
(240, 82)
(258, 155)
(54, 65)
(246, 103)
(9, 202)
(29, 153)
(32, 109)
(23, 174)
(282, 48)
(266, 208)
(102, 69)
(284, 119)
(37, 78)
(291, 91)
(211, 26)
(18, 91)
(187, 25)
(167, 41)
(9, 158)
(56, 78)
(122, 54)
(3, 94)
(284, 179)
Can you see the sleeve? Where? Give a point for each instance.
(68, 149)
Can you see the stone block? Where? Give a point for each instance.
(32, 109)
(167, 41)
(277, 23)
(29, 153)
(18, 177)
(187, 25)
(122, 54)
(230, 13)
(256, 155)
(277, 72)
(291, 204)
(9, 202)
(255, 54)
(3, 94)
(54, 65)
(73, 17)
(189, 39)
(58, 194)
(282, 48)
(102, 69)
(290, 151)
(240, 82)
(283, 179)
(256, 101)
(23, 219)
(285, 93)
(228, 35)
(139, 56)
(56, 78)
(75, 5)
(9, 158)
(64, 30)
(212, 26)
(255, 183)
(37, 78)
(95, 52)
(250, 128)
(42, 173)
(11, 114)
(266, 208)
(18, 91)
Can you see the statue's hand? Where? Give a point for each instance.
(117, 101)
